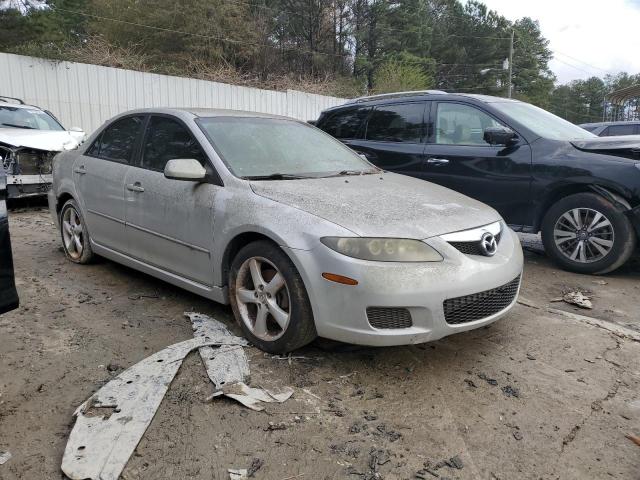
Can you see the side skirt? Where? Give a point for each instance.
(217, 294)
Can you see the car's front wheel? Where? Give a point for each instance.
(75, 237)
(585, 233)
(269, 299)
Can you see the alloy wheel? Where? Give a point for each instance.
(583, 235)
(263, 298)
(72, 233)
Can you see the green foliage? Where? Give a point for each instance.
(398, 76)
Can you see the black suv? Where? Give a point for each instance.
(540, 172)
(8, 294)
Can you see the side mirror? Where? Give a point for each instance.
(76, 129)
(500, 136)
(187, 169)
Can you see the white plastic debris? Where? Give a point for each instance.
(228, 367)
(579, 299)
(227, 364)
(4, 457)
(252, 397)
(110, 424)
(238, 473)
(112, 421)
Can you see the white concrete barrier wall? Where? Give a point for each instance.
(83, 95)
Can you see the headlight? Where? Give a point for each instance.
(383, 249)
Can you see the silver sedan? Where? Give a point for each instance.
(299, 234)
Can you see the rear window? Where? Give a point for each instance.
(397, 123)
(117, 141)
(346, 123)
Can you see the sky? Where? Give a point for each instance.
(588, 37)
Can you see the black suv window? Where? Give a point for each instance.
(397, 123)
(346, 123)
(168, 139)
(615, 130)
(118, 140)
(458, 124)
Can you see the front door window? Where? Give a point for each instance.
(458, 124)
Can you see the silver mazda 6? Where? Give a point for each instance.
(301, 235)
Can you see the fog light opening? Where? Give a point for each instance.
(334, 277)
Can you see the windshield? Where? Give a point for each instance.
(264, 147)
(541, 122)
(28, 118)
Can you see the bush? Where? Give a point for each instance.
(397, 76)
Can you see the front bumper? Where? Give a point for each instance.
(340, 311)
(19, 186)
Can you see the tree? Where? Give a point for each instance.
(351, 45)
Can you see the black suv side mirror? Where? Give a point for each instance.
(500, 136)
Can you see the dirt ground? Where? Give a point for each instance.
(537, 395)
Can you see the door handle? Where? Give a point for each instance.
(80, 170)
(437, 161)
(135, 187)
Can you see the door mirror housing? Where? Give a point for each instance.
(500, 136)
(187, 169)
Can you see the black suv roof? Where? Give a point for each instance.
(419, 95)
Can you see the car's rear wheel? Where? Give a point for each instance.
(75, 237)
(585, 233)
(269, 299)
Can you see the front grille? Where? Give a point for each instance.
(480, 305)
(386, 317)
(471, 248)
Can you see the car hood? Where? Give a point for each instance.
(627, 146)
(51, 140)
(384, 205)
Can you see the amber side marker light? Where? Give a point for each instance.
(333, 277)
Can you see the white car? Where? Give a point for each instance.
(300, 234)
(29, 139)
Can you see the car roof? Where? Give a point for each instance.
(420, 95)
(607, 124)
(205, 112)
(17, 105)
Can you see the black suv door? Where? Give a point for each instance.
(8, 294)
(457, 157)
(393, 137)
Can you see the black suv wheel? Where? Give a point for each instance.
(585, 233)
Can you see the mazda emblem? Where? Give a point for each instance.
(488, 244)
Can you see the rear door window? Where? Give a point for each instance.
(397, 123)
(346, 124)
(117, 141)
(168, 139)
(459, 124)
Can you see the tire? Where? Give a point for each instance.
(71, 218)
(256, 307)
(604, 248)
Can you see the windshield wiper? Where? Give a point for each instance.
(275, 176)
(18, 126)
(356, 172)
